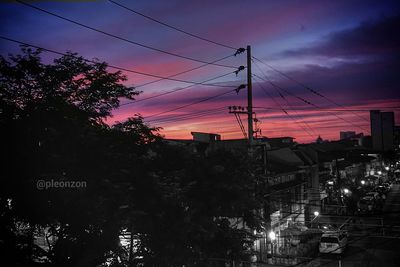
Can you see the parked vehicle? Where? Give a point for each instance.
(387, 185)
(334, 242)
(366, 204)
(382, 190)
(378, 199)
(373, 194)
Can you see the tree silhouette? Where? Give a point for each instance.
(178, 205)
(52, 119)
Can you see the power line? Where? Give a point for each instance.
(302, 99)
(179, 89)
(177, 118)
(121, 38)
(319, 127)
(120, 68)
(283, 97)
(282, 109)
(186, 116)
(133, 71)
(183, 72)
(308, 102)
(302, 120)
(199, 101)
(239, 121)
(297, 114)
(173, 121)
(171, 27)
(332, 109)
(304, 86)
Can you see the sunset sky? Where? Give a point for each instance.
(348, 51)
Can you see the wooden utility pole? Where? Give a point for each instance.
(249, 98)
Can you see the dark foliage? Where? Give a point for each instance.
(180, 206)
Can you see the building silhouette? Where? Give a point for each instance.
(382, 130)
(347, 135)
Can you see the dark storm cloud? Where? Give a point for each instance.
(379, 37)
(353, 82)
(369, 60)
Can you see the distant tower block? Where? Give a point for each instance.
(382, 130)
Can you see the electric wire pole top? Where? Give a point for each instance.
(249, 98)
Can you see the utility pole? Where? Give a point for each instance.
(237, 110)
(249, 98)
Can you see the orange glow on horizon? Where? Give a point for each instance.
(274, 123)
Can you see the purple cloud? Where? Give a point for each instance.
(371, 38)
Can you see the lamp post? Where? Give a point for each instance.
(272, 237)
(316, 214)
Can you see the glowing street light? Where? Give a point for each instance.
(362, 182)
(379, 172)
(387, 168)
(346, 191)
(316, 214)
(272, 235)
